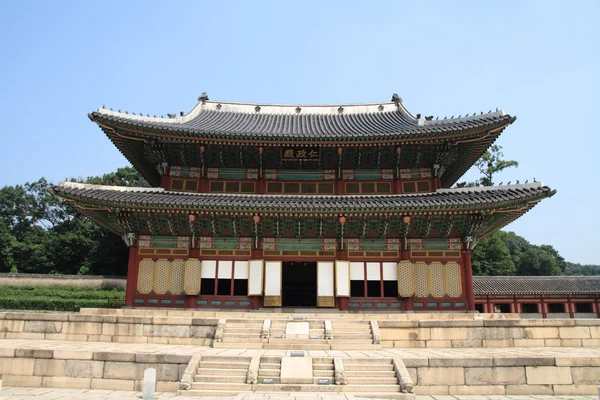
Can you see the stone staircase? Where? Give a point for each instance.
(352, 335)
(315, 341)
(323, 369)
(379, 374)
(242, 334)
(220, 376)
(269, 369)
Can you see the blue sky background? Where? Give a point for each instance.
(538, 60)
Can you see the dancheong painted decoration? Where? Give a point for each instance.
(339, 206)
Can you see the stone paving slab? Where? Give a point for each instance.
(69, 348)
(17, 393)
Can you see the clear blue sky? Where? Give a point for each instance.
(538, 60)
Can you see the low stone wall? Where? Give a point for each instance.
(89, 370)
(107, 328)
(515, 375)
(490, 333)
(94, 281)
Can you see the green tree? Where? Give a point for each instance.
(492, 257)
(491, 163)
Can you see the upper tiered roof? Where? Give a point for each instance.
(213, 120)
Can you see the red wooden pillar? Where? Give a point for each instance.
(165, 182)
(468, 279)
(544, 308)
(132, 275)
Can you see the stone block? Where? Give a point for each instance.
(577, 361)
(449, 333)
(576, 390)
(205, 321)
(17, 366)
(202, 331)
(476, 390)
(575, 332)
(467, 343)
(65, 382)
(404, 333)
(42, 316)
(114, 356)
(112, 384)
(120, 370)
(72, 337)
(590, 342)
(129, 339)
(122, 329)
(495, 376)
(162, 358)
(25, 335)
(595, 332)
(82, 328)
(43, 326)
(586, 375)
(49, 367)
(500, 333)
(475, 333)
(528, 342)
(529, 389)
(22, 380)
(498, 343)
(91, 318)
(552, 342)
(169, 387)
(415, 362)
(73, 354)
(189, 341)
(412, 372)
(439, 343)
(430, 390)
(34, 353)
(164, 372)
(542, 333)
(548, 375)
(158, 340)
(522, 361)
(296, 370)
(457, 323)
(408, 343)
(397, 324)
(180, 331)
(12, 325)
(84, 369)
(440, 376)
(297, 330)
(171, 321)
(6, 353)
(134, 320)
(570, 343)
(460, 362)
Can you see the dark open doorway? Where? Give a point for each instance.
(299, 284)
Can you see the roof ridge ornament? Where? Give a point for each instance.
(396, 99)
(203, 97)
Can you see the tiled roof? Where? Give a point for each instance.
(226, 120)
(441, 199)
(536, 285)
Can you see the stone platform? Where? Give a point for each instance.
(368, 355)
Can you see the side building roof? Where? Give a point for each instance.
(536, 285)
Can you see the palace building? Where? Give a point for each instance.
(331, 206)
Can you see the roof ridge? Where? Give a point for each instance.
(91, 186)
(532, 185)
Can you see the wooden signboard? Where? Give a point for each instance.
(300, 153)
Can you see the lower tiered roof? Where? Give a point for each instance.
(465, 211)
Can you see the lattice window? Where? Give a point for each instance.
(405, 279)
(146, 276)
(421, 286)
(436, 275)
(193, 269)
(177, 276)
(161, 276)
(453, 280)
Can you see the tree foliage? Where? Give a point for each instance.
(42, 234)
(491, 163)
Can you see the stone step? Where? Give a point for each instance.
(352, 335)
(367, 367)
(283, 346)
(348, 331)
(361, 388)
(219, 379)
(323, 374)
(322, 367)
(270, 359)
(353, 346)
(212, 393)
(238, 339)
(244, 321)
(229, 345)
(222, 372)
(241, 335)
(370, 373)
(297, 341)
(238, 387)
(269, 365)
(242, 330)
(371, 381)
(322, 360)
(276, 379)
(224, 365)
(350, 340)
(269, 372)
(226, 359)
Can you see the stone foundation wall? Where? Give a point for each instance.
(89, 370)
(518, 375)
(107, 328)
(490, 333)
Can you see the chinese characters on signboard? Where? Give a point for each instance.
(300, 153)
